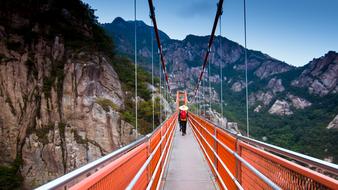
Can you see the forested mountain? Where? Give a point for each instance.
(293, 107)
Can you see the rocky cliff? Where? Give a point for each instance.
(320, 76)
(60, 99)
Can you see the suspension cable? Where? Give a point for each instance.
(160, 89)
(203, 91)
(152, 16)
(218, 14)
(246, 74)
(165, 100)
(152, 74)
(209, 74)
(135, 51)
(220, 64)
(198, 104)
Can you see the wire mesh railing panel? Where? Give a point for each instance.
(206, 132)
(123, 169)
(284, 173)
(253, 167)
(153, 142)
(148, 155)
(251, 181)
(228, 158)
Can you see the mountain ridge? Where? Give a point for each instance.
(274, 93)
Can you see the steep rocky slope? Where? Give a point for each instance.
(320, 76)
(60, 97)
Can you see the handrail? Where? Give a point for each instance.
(209, 159)
(329, 167)
(164, 164)
(305, 159)
(161, 157)
(249, 166)
(63, 180)
(67, 178)
(219, 159)
(144, 166)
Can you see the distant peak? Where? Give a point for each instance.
(139, 23)
(190, 37)
(331, 53)
(119, 20)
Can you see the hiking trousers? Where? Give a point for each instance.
(183, 125)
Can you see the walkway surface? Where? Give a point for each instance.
(187, 167)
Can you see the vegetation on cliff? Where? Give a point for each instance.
(64, 31)
(125, 69)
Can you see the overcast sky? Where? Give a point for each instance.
(294, 31)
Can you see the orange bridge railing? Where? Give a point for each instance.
(243, 163)
(237, 162)
(139, 165)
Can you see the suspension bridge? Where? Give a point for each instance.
(208, 157)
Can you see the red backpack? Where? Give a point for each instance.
(183, 115)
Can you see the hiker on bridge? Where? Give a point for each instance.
(182, 118)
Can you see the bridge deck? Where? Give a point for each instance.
(187, 167)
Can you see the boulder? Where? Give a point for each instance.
(276, 85)
(333, 124)
(298, 103)
(260, 96)
(258, 108)
(280, 107)
(238, 86)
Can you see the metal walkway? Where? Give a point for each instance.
(187, 167)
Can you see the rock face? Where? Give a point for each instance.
(320, 76)
(260, 96)
(59, 106)
(280, 107)
(271, 67)
(217, 118)
(298, 103)
(333, 124)
(276, 85)
(238, 86)
(61, 128)
(258, 108)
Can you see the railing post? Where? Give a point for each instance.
(238, 164)
(161, 148)
(215, 149)
(149, 166)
